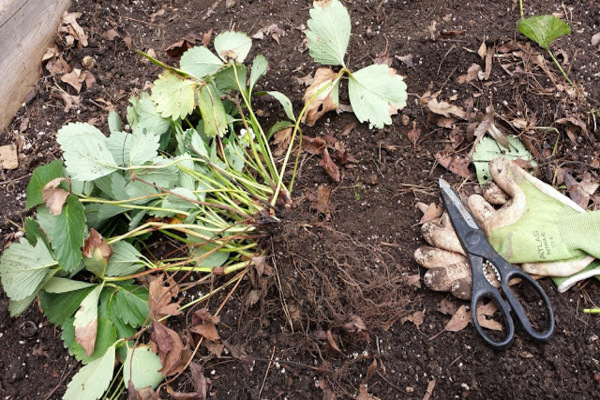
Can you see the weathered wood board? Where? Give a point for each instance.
(27, 28)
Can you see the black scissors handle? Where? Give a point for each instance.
(483, 289)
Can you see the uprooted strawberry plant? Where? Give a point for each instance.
(193, 164)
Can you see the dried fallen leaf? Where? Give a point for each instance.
(159, 298)
(110, 34)
(70, 25)
(321, 203)
(177, 49)
(413, 280)
(432, 213)
(325, 101)
(313, 145)
(459, 320)
(329, 166)
(281, 139)
(143, 394)
(363, 392)
(407, 60)
(484, 316)
(70, 101)
(332, 342)
(168, 345)
(54, 196)
(488, 125)
(446, 109)
(204, 324)
(273, 30)
(416, 318)
(489, 56)
(447, 307)
(9, 158)
(355, 324)
(581, 192)
(456, 164)
(473, 73)
(574, 126)
(76, 78)
(57, 66)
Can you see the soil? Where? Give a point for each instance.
(343, 292)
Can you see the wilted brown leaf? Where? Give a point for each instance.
(355, 324)
(488, 125)
(143, 394)
(321, 203)
(329, 166)
(313, 145)
(432, 213)
(332, 342)
(54, 196)
(96, 245)
(204, 324)
(484, 316)
(416, 318)
(281, 139)
(458, 165)
(581, 192)
(76, 78)
(459, 320)
(363, 392)
(325, 101)
(70, 27)
(407, 60)
(446, 109)
(110, 34)
(447, 307)
(69, 100)
(159, 298)
(574, 126)
(168, 345)
(472, 74)
(413, 280)
(58, 66)
(273, 30)
(177, 49)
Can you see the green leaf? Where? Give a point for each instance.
(216, 259)
(376, 93)
(69, 234)
(235, 156)
(172, 202)
(226, 78)
(174, 95)
(144, 147)
(114, 122)
(142, 367)
(92, 380)
(59, 307)
(488, 149)
(97, 214)
(81, 188)
(543, 29)
(86, 321)
(329, 32)
(213, 113)
(34, 232)
(85, 152)
(16, 307)
(162, 172)
(130, 306)
(40, 177)
(233, 46)
(199, 62)
(277, 126)
(119, 145)
(124, 261)
(285, 102)
(259, 69)
(142, 115)
(64, 285)
(23, 267)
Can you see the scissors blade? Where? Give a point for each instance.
(455, 207)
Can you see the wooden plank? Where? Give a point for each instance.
(27, 28)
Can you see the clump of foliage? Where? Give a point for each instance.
(193, 164)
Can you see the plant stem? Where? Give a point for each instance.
(521, 8)
(562, 71)
(591, 310)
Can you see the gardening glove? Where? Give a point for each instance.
(529, 206)
(539, 227)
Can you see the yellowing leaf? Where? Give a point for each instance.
(321, 96)
(376, 93)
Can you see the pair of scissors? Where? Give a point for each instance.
(480, 251)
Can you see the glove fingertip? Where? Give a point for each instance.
(461, 289)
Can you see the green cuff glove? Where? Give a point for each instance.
(538, 225)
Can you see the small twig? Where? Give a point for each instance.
(62, 379)
(266, 373)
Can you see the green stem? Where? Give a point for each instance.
(562, 71)
(591, 310)
(297, 127)
(521, 8)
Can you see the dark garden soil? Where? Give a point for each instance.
(342, 291)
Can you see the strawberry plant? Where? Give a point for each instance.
(192, 165)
